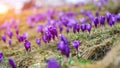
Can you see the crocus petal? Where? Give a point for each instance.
(17, 31)
(1, 56)
(10, 34)
(63, 38)
(12, 63)
(10, 42)
(83, 27)
(76, 44)
(64, 48)
(88, 27)
(102, 20)
(27, 45)
(38, 41)
(96, 21)
(67, 29)
(3, 38)
(52, 63)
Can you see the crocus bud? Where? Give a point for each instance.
(67, 29)
(108, 16)
(88, 27)
(49, 36)
(63, 38)
(60, 28)
(52, 63)
(38, 41)
(1, 57)
(83, 27)
(64, 48)
(44, 38)
(20, 38)
(112, 21)
(102, 20)
(25, 35)
(3, 38)
(17, 31)
(11, 63)
(53, 31)
(40, 29)
(97, 13)
(96, 21)
(118, 17)
(76, 44)
(78, 27)
(10, 42)
(27, 45)
(10, 34)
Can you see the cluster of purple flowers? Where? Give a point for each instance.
(55, 25)
(65, 20)
(10, 61)
(63, 45)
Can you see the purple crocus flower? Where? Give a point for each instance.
(63, 38)
(10, 42)
(112, 21)
(88, 27)
(17, 31)
(117, 17)
(44, 38)
(30, 20)
(76, 28)
(63, 45)
(25, 35)
(64, 48)
(1, 56)
(20, 38)
(76, 44)
(53, 31)
(10, 34)
(96, 21)
(11, 63)
(3, 38)
(102, 20)
(64, 20)
(60, 28)
(83, 27)
(40, 29)
(108, 16)
(38, 41)
(97, 13)
(67, 29)
(27, 44)
(60, 45)
(52, 63)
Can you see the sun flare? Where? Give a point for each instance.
(3, 9)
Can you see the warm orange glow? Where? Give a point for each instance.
(3, 9)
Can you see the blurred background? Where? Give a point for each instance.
(18, 5)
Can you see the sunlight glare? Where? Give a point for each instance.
(3, 9)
